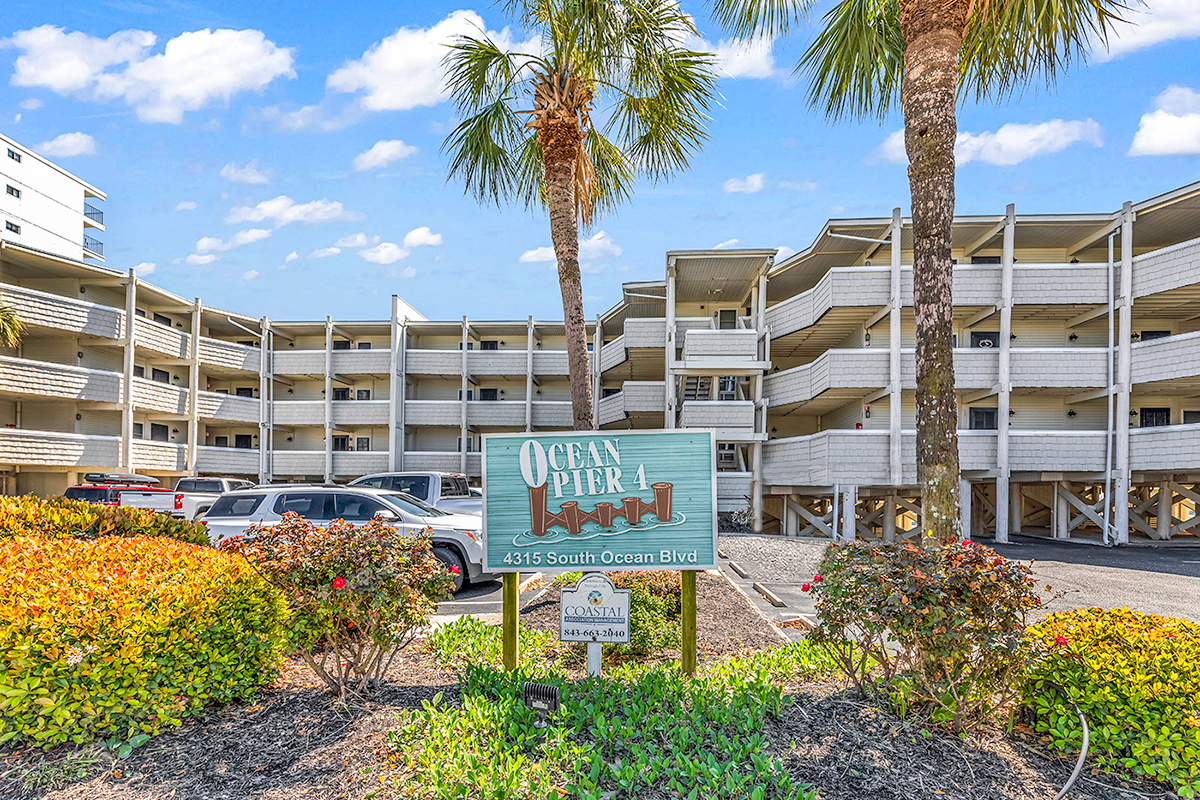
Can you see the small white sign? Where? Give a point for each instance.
(594, 611)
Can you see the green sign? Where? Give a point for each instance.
(559, 502)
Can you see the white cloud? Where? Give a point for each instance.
(211, 244)
(146, 268)
(727, 244)
(325, 252)
(195, 68)
(382, 153)
(409, 272)
(31, 104)
(538, 254)
(68, 144)
(185, 205)
(1010, 144)
(748, 185)
(741, 59)
(1173, 128)
(248, 174)
(292, 256)
(783, 253)
(404, 70)
(799, 186)
(199, 260)
(421, 236)
(384, 253)
(592, 249)
(16, 118)
(1157, 21)
(249, 274)
(356, 240)
(284, 210)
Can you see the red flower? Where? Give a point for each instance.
(339, 582)
(817, 578)
(453, 570)
(966, 541)
(805, 587)
(1061, 641)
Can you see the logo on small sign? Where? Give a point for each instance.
(594, 611)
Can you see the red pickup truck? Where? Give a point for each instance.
(123, 489)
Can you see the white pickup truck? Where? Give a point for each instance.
(445, 491)
(194, 496)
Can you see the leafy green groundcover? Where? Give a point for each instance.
(634, 731)
(1136, 677)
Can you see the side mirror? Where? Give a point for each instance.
(386, 515)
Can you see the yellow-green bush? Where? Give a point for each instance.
(116, 636)
(63, 518)
(1136, 677)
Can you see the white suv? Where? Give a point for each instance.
(456, 537)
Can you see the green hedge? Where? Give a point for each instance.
(1136, 677)
(62, 518)
(117, 636)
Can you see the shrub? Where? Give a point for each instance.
(941, 628)
(63, 518)
(655, 608)
(121, 635)
(358, 594)
(1135, 677)
(468, 640)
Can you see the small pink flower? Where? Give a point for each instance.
(805, 587)
(1061, 641)
(817, 578)
(339, 582)
(453, 570)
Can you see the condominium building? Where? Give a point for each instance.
(1077, 359)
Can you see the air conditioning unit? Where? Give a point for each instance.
(986, 343)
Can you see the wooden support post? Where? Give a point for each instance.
(964, 495)
(1016, 508)
(889, 519)
(510, 591)
(1062, 511)
(688, 659)
(849, 513)
(1165, 495)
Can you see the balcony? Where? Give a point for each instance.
(354, 464)
(161, 397)
(636, 398)
(441, 461)
(360, 412)
(1166, 269)
(720, 345)
(1170, 448)
(93, 247)
(837, 376)
(94, 216)
(550, 362)
(226, 461)
(497, 362)
(496, 413)
(45, 310)
(160, 338)
(42, 448)
(361, 362)
(298, 412)
(433, 412)
(1173, 358)
(298, 462)
(732, 419)
(218, 406)
(159, 456)
(553, 414)
(229, 354)
(298, 362)
(433, 362)
(733, 491)
(45, 379)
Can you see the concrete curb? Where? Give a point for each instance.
(783, 637)
(739, 569)
(770, 596)
(525, 583)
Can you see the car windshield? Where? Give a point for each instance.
(414, 506)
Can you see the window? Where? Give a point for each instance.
(310, 505)
(470, 394)
(362, 394)
(455, 485)
(92, 494)
(14, 155)
(341, 394)
(159, 433)
(490, 344)
(1155, 417)
(162, 320)
(415, 506)
(364, 345)
(160, 375)
(199, 485)
(727, 319)
(488, 394)
(241, 505)
(242, 441)
(470, 444)
(221, 391)
(137, 430)
(14, 191)
(341, 444)
(244, 391)
(375, 482)
(12, 227)
(470, 345)
(222, 441)
(609, 392)
(985, 259)
(248, 343)
(341, 344)
(1191, 418)
(727, 388)
(1148, 335)
(416, 485)
(726, 454)
(139, 312)
(985, 338)
(982, 419)
(139, 371)
(362, 444)
(356, 507)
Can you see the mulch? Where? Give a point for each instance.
(296, 740)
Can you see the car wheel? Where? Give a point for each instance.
(452, 559)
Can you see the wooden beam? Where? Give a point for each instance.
(979, 317)
(877, 317)
(1087, 316)
(977, 245)
(1095, 236)
(1083, 397)
(982, 394)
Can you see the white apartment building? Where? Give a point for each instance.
(804, 368)
(46, 208)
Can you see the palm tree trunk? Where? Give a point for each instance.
(933, 31)
(560, 144)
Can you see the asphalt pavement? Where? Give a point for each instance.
(483, 600)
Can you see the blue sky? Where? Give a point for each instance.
(241, 144)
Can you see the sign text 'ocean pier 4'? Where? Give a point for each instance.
(558, 502)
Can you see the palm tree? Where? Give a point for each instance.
(528, 133)
(927, 54)
(10, 327)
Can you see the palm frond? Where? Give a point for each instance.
(751, 19)
(11, 327)
(479, 72)
(481, 149)
(855, 64)
(611, 179)
(1011, 43)
(530, 183)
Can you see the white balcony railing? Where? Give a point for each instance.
(226, 460)
(24, 376)
(42, 448)
(218, 406)
(45, 310)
